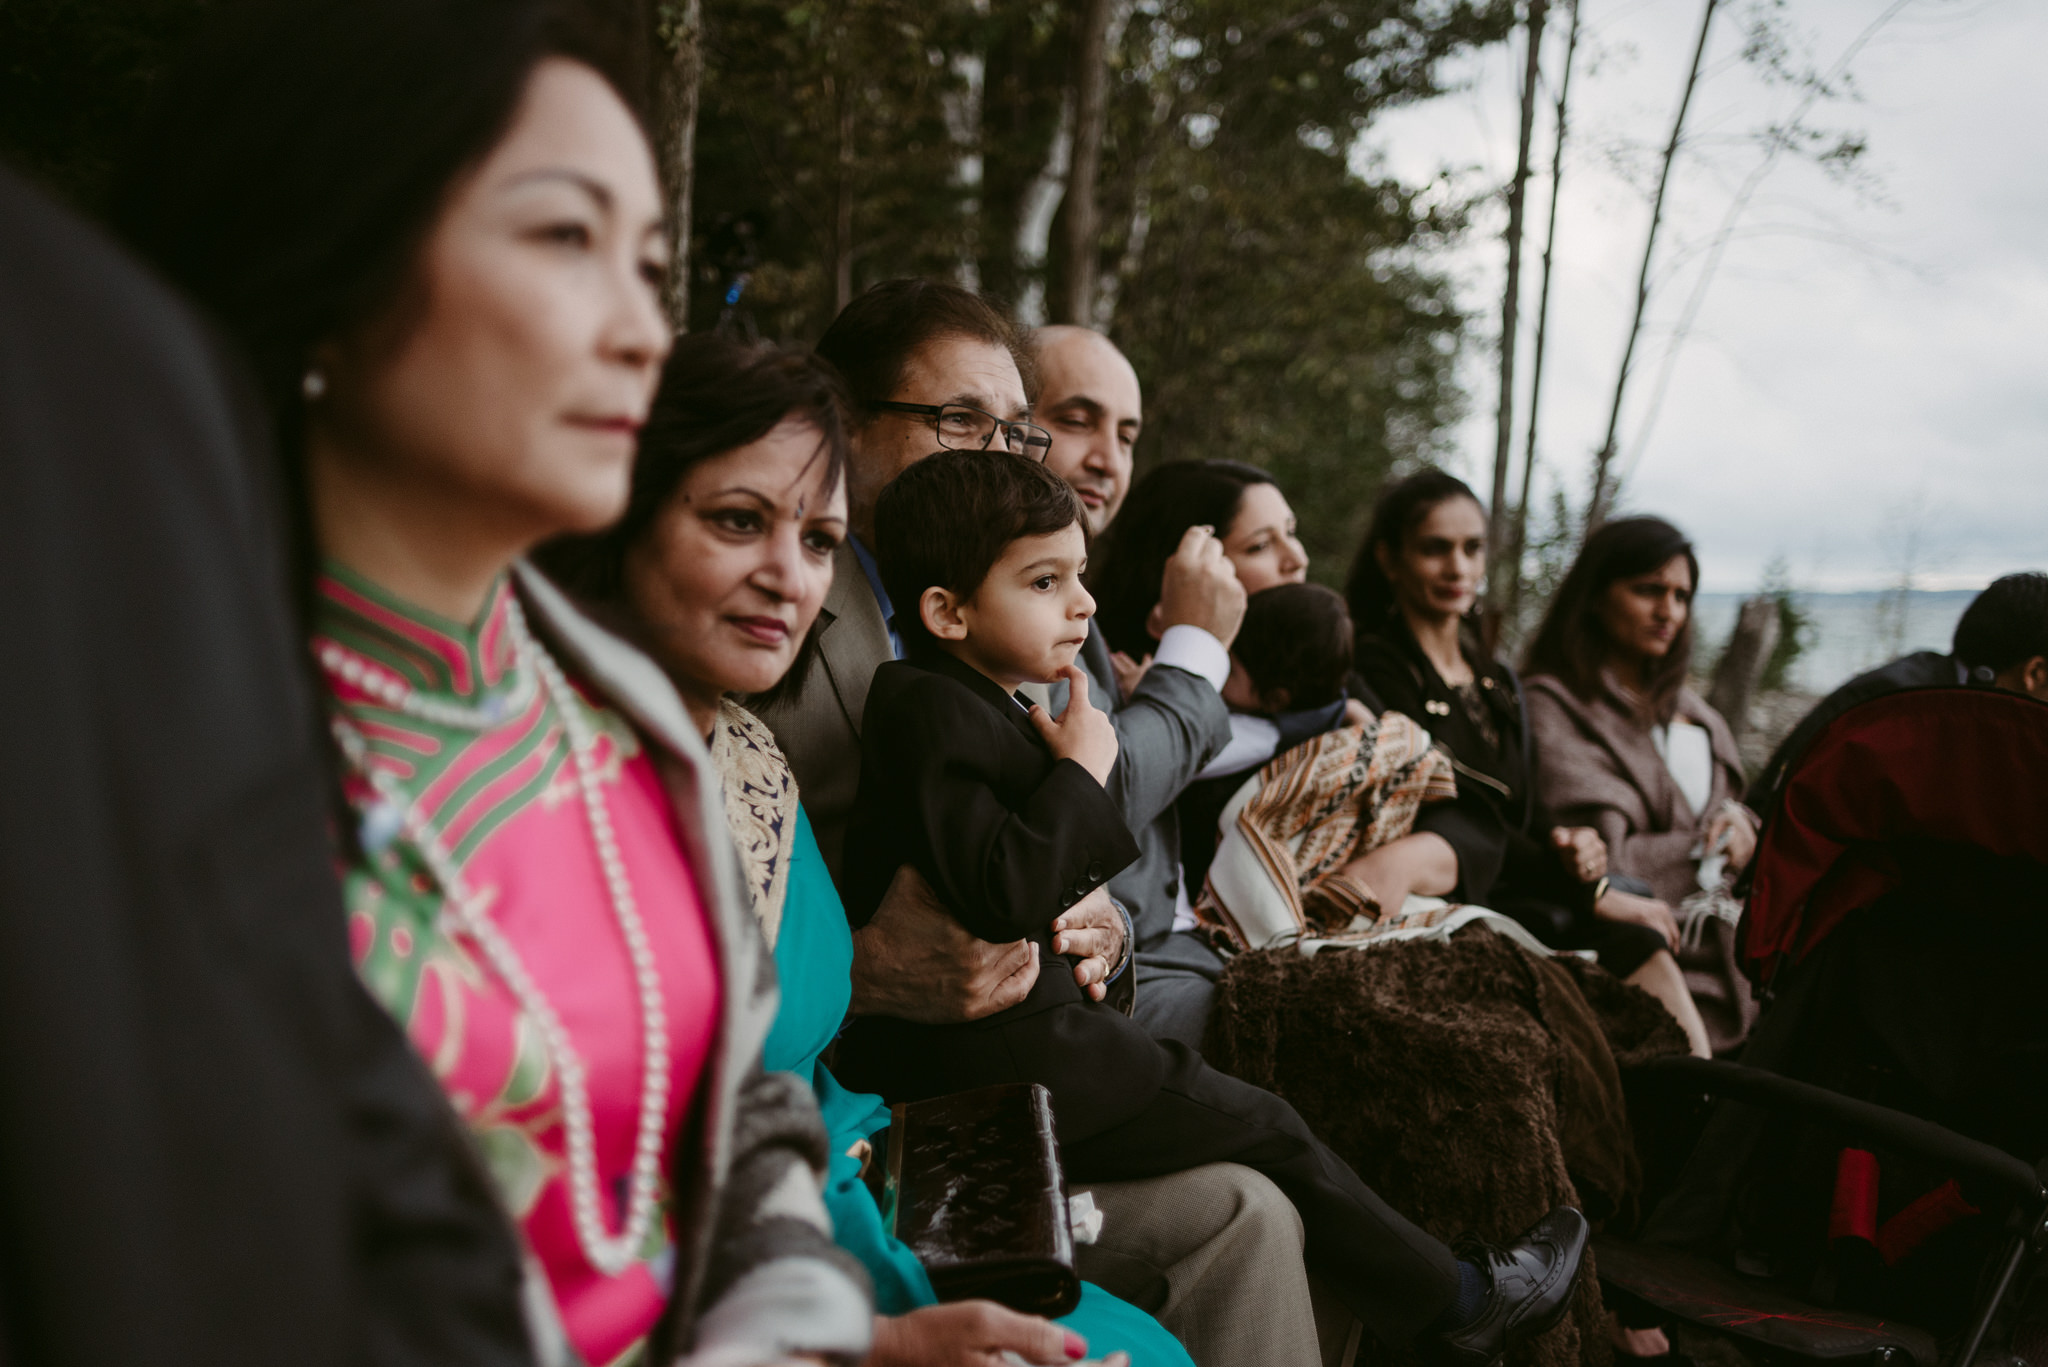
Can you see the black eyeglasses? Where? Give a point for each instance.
(961, 428)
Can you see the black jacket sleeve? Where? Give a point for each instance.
(1471, 825)
(1005, 873)
(438, 1262)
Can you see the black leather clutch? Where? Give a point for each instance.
(975, 1189)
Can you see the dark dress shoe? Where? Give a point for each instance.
(1532, 1280)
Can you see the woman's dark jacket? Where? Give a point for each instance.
(1500, 858)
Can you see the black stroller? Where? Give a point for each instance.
(1867, 1182)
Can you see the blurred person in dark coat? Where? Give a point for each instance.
(2001, 641)
(214, 1147)
(435, 230)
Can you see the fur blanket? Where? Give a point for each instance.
(1469, 1082)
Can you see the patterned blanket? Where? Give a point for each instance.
(1278, 876)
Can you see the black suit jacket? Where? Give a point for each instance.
(956, 782)
(214, 1147)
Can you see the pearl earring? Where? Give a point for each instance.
(314, 384)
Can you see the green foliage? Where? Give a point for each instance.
(825, 119)
(1795, 628)
(1282, 329)
(1279, 309)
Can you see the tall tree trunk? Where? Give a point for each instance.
(1076, 303)
(962, 106)
(1510, 322)
(1602, 494)
(1518, 540)
(842, 207)
(1138, 231)
(680, 74)
(1041, 204)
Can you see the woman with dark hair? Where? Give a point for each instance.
(434, 225)
(1624, 746)
(1413, 590)
(719, 569)
(1240, 503)
(1252, 520)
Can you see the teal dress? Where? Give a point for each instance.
(814, 959)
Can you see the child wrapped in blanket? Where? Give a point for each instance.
(1287, 671)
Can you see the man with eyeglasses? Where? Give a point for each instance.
(929, 365)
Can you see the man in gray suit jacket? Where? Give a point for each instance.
(1169, 724)
(1172, 720)
(1215, 1252)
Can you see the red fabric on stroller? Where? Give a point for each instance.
(1963, 765)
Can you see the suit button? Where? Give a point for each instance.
(1095, 870)
(1067, 899)
(1173, 887)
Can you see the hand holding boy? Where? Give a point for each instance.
(913, 960)
(1083, 733)
(1091, 935)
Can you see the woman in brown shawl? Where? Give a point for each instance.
(1414, 589)
(1623, 746)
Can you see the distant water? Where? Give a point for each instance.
(1847, 633)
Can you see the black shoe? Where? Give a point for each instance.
(1532, 1280)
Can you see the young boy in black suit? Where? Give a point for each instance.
(1002, 809)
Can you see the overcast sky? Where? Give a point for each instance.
(1869, 370)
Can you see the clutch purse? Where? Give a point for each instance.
(974, 1187)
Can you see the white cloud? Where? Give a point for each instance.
(1860, 371)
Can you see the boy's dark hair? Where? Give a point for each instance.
(2005, 625)
(945, 521)
(873, 338)
(1296, 637)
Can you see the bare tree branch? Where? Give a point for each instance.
(1596, 508)
(1518, 541)
(1777, 139)
(1504, 427)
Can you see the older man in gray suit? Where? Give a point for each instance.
(1171, 721)
(1168, 726)
(1214, 1252)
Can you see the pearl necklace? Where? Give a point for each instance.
(397, 694)
(395, 814)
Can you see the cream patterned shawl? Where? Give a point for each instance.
(1289, 832)
(760, 808)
